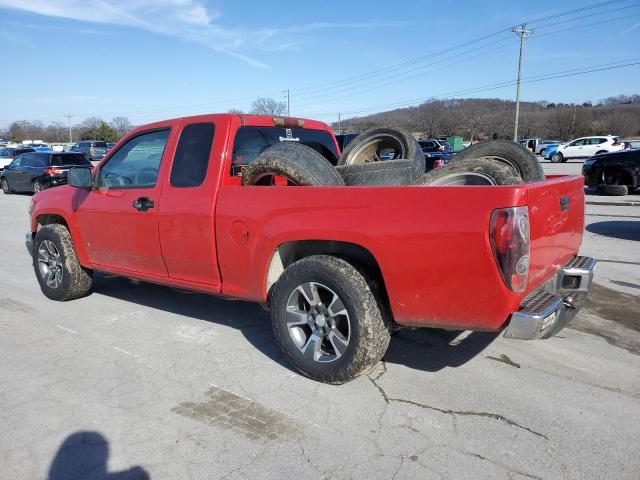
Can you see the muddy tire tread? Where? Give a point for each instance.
(373, 321)
(77, 280)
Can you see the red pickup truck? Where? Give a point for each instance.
(337, 266)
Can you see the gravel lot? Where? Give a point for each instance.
(146, 381)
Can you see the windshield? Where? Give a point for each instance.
(252, 141)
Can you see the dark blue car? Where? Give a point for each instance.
(36, 171)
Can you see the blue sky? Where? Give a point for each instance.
(155, 59)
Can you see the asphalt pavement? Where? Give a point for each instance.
(142, 381)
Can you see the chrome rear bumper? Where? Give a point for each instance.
(547, 310)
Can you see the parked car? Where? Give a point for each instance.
(550, 153)
(93, 149)
(336, 265)
(436, 153)
(616, 173)
(588, 146)
(631, 144)
(37, 171)
(538, 145)
(344, 139)
(8, 154)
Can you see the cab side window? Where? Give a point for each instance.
(136, 163)
(192, 155)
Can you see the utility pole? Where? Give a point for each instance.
(288, 92)
(68, 115)
(522, 32)
(339, 125)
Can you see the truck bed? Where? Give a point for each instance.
(430, 243)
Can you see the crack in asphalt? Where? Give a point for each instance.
(498, 464)
(454, 413)
(504, 359)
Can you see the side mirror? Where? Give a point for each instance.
(80, 177)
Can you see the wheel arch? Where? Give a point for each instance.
(56, 217)
(49, 219)
(289, 252)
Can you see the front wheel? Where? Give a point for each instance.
(60, 275)
(327, 320)
(557, 158)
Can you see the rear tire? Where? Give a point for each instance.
(511, 153)
(299, 164)
(612, 190)
(60, 275)
(390, 172)
(305, 314)
(37, 186)
(472, 172)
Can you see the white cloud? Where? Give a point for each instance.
(191, 20)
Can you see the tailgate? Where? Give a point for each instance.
(556, 216)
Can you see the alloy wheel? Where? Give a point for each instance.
(50, 264)
(318, 322)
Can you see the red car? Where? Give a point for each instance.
(336, 265)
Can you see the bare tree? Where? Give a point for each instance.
(121, 125)
(268, 106)
(473, 120)
(235, 110)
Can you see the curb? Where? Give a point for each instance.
(615, 204)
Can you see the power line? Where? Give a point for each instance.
(412, 61)
(494, 86)
(402, 77)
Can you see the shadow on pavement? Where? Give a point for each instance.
(623, 229)
(422, 349)
(432, 350)
(252, 321)
(85, 455)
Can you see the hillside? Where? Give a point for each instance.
(476, 118)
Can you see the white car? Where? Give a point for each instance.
(587, 146)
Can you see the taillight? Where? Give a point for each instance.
(616, 142)
(509, 236)
(53, 171)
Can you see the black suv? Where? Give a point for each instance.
(613, 173)
(93, 149)
(35, 171)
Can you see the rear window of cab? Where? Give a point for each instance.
(252, 141)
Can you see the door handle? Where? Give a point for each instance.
(143, 204)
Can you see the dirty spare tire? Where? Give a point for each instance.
(376, 143)
(390, 172)
(297, 164)
(471, 172)
(511, 153)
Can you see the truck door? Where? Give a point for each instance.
(118, 219)
(186, 214)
